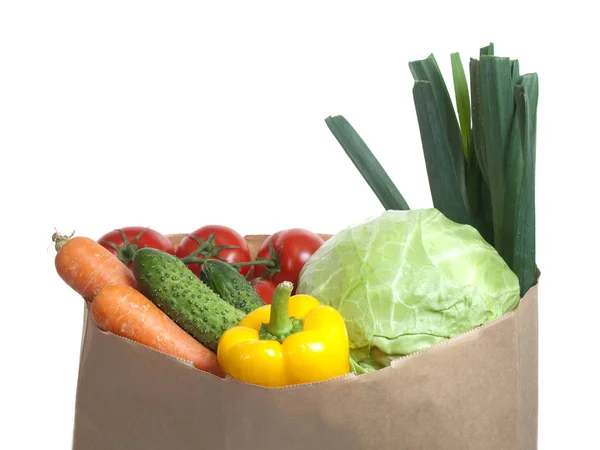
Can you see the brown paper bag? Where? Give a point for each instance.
(476, 391)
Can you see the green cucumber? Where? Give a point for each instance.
(231, 285)
(182, 296)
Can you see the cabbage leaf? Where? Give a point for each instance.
(406, 280)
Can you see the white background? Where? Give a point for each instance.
(178, 114)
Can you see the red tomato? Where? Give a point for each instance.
(214, 242)
(125, 241)
(289, 250)
(264, 288)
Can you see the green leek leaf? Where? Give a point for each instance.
(463, 104)
(513, 197)
(514, 70)
(479, 200)
(366, 163)
(487, 50)
(477, 129)
(447, 189)
(484, 221)
(478, 135)
(443, 150)
(526, 97)
(428, 70)
(497, 114)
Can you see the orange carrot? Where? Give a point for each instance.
(126, 312)
(87, 267)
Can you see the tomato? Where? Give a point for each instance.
(125, 241)
(264, 288)
(214, 242)
(288, 250)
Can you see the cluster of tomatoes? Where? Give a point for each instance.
(280, 257)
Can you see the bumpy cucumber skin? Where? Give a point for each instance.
(180, 294)
(231, 285)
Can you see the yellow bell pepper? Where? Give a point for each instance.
(294, 340)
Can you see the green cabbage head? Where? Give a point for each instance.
(406, 280)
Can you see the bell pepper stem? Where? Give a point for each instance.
(280, 322)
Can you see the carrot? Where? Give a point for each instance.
(126, 312)
(87, 267)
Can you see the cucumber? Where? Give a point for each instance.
(231, 285)
(182, 296)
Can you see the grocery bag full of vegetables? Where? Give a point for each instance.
(416, 328)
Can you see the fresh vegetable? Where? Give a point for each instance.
(125, 241)
(125, 312)
(366, 163)
(292, 341)
(264, 288)
(230, 284)
(481, 166)
(284, 253)
(171, 286)
(406, 280)
(214, 242)
(88, 267)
